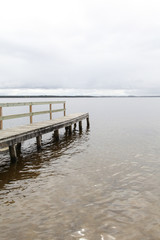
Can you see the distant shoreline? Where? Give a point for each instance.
(77, 96)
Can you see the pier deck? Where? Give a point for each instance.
(13, 137)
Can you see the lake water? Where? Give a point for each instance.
(103, 184)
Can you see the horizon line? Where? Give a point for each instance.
(76, 96)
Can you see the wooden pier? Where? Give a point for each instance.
(13, 137)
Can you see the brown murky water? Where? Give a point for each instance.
(103, 184)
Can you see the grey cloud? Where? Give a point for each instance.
(89, 44)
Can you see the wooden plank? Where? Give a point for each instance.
(30, 114)
(58, 110)
(15, 116)
(29, 103)
(45, 112)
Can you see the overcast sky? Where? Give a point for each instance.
(81, 44)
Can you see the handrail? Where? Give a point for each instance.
(31, 113)
(29, 103)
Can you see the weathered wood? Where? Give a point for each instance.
(18, 148)
(29, 114)
(70, 129)
(50, 107)
(13, 153)
(80, 126)
(15, 116)
(56, 135)
(75, 125)
(64, 107)
(14, 136)
(1, 122)
(29, 103)
(9, 137)
(30, 111)
(88, 124)
(39, 142)
(58, 110)
(66, 129)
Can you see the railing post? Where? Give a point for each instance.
(1, 122)
(64, 106)
(50, 108)
(30, 110)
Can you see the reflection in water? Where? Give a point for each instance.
(101, 184)
(29, 162)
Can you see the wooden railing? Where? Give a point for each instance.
(30, 114)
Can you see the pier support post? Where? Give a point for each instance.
(18, 148)
(56, 135)
(80, 126)
(39, 142)
(66, 128)
(87, 119)
(70, 129)
(75, 125)
(13, 153)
